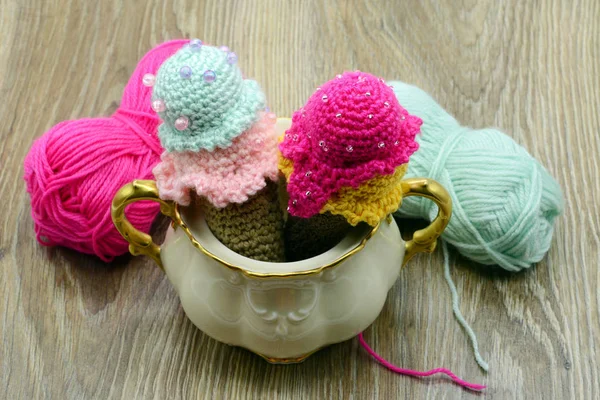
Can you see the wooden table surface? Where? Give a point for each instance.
(72, 327)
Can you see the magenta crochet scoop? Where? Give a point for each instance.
(350, 130)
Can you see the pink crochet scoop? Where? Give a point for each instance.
(223, 176)
(350, 130)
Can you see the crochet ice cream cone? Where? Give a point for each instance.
(221, 148)
(345, 155)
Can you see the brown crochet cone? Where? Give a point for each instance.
(309, 237)
(253, 229)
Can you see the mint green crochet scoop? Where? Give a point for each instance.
(203, 99)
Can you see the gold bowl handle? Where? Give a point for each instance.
(425, 240)
(140, 243)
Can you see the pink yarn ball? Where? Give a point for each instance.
(74, 170)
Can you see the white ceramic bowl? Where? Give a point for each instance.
(281, 311)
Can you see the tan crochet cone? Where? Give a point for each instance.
(309, 237)
(253, 229)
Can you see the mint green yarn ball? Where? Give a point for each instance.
(505, 203)
(203, 86)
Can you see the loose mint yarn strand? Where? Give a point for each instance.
(504, 201)
(456, 309)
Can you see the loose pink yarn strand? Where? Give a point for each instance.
(418, 374)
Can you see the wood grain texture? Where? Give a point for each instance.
(73, 328)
